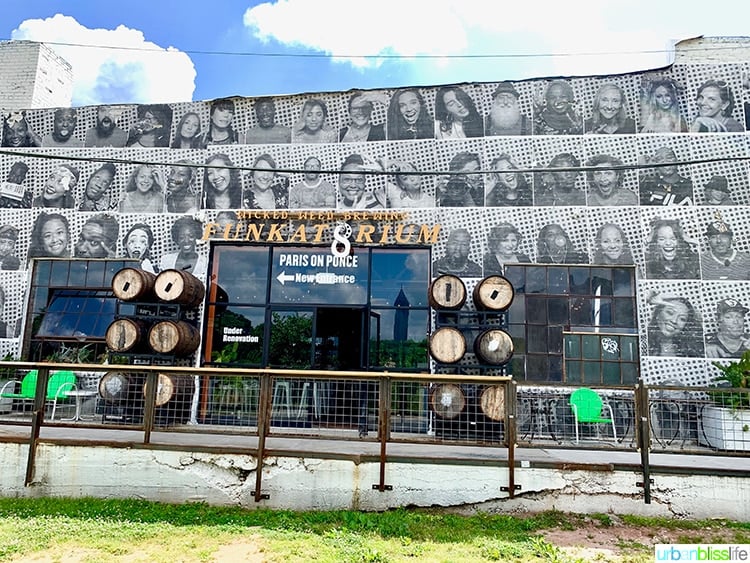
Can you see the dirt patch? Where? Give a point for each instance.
(610, 539)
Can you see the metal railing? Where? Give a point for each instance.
(366, 408)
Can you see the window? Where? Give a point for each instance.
(580, 313)
(71, 306)
(301, 306)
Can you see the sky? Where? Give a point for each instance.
(174, 51)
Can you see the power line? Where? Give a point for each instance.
(379, 56)
(372, 171)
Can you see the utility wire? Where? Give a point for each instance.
(380, 56)
(378, 169)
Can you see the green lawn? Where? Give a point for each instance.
(92, 530)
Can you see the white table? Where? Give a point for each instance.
(80, 395)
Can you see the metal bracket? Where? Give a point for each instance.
(263, 496)
(641, 484)
(376, 487)
(507, 489)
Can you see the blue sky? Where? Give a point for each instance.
(349, 43)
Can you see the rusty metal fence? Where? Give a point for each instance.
(366, 407)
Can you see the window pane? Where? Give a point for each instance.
(573, 371)
(611, 373)
(242, 273)
(516, 313)
(237, 334)
(400, 275)
(516, 275)
(77, 275)
(591, 373)
(42, 272)
(95, 274)
(536, 310)
(591, 346)
(629, 348)
(557, 310)
(537, 339)
(557, 280)
(580, 283)
(622, 280)
(624, 313)
(629, 373)
(536, 279)
(572, 346)
(78, 314)
(555, 372)
(537, 367)
(314, 275)
(518, 335)
(555, 339)
(291, 339)
(59, 275)
(401, 341)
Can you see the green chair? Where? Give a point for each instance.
(58, 386)
(586, 405)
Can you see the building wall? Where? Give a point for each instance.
(34, 76)
(700, 157)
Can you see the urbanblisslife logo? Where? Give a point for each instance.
(702, 552)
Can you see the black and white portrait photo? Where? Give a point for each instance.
(555, 110)
(464, 187)
(505, 116)
(560, 188)
(721, 260)
(669, 254)
(456, 115)
(663, 184)
(63, 130)
(674, 327)
(106, 132)
(152, 127)
(715, 102)
(610, 112)
(731, 339)
(98, 238)
(267, 130)
(456, 260)
(409, 116)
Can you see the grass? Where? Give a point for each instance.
(95, 530)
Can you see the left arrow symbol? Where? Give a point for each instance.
(283, 278)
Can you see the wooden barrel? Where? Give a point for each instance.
(492, 402)
(176, 286)
(123, 335)
(447, 292)
(493, 347)
(447, 400)
(447, 345)
(493, 293)
(121, 387)
(179, 338)
(133, 284)
(173, 389)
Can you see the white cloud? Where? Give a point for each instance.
(114, 75)
(345, 28)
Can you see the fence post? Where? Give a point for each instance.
(384, 427)
(265, 408)
(511, 434)
(149, 407)
(37, 419)
(643, 438)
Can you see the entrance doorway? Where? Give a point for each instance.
(327, 339)
(324, 338)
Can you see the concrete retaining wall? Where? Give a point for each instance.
(300, 483)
